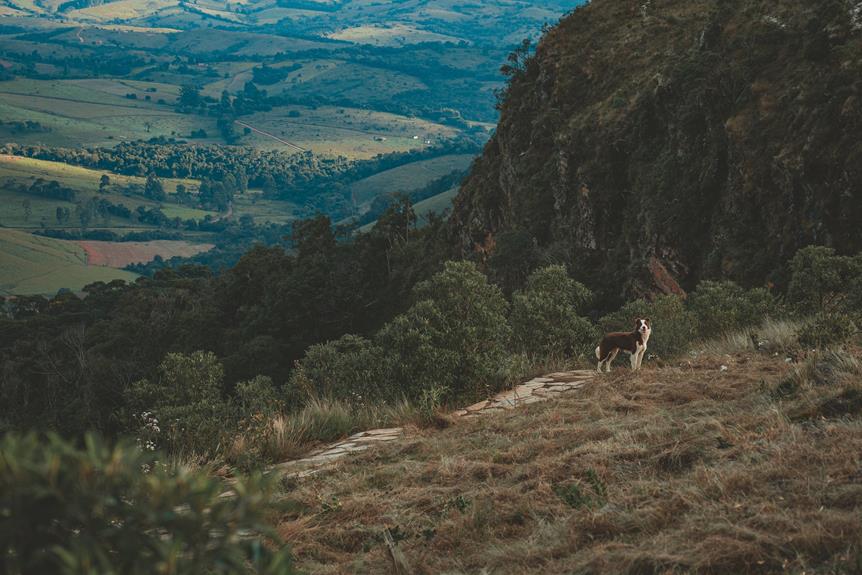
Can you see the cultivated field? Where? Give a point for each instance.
(36, 265)
(349, 132)
(22, 169)
(407, 178)
(15, 171)
(121, 254)
(95, 112)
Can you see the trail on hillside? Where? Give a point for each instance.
(273, 136)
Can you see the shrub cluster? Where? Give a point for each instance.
(452, 343)
(116, 510)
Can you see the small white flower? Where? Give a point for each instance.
(723, 368)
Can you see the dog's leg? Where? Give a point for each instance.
(641, 356)
(633, 359)
(611, 357)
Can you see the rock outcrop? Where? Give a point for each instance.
(654, 144)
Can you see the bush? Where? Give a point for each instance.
(672, 324)
(464, 316)
(545, 316)
(421, 363)
(257, 405)
(351, 369)
(183, 410)
(826, 329)
(822, 282)
(115, 510)
(721, 307)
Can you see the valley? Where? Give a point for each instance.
(347, 81)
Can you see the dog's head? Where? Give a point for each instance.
(642, 326)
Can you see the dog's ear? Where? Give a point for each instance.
(647, 321)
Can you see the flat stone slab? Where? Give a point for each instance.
(386, 431)
(533, 391)
(378, 438)
(477, 406)
(531, 399)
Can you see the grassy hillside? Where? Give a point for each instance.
(22, 169)
(16, 170)
(739, 463)
(36, 265)
(406, 178)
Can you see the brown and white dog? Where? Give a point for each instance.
(633, 343)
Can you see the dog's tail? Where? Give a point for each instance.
(598, 352)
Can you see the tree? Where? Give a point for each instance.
(104, 182)
(154, 189)
(189, 96)
(460, 319)
(187, 400)
(546, 316)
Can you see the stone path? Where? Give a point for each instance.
(533, 391)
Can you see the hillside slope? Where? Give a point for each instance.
(719, 464)
(656, 143)
(37, 265)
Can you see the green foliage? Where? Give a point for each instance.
(575, 495)
(465, 316)
(258, 404)
(723, 306)
(350, 368)
(258, 396)
(451, 343)
(186, 401)
(545, 316)
(824, 282)
(419, 358)
(113, 510)
(825, 329)
(672, 324)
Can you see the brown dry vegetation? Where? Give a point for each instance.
(690, 468)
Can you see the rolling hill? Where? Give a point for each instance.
(36, 265)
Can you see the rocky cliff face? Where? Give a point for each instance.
(655, 143)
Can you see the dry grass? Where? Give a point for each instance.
(688, 468)
(319, 422)
(774, 336)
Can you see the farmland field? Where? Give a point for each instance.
(22, 169)
(407, 178)
(77, 113)
(121, 254)
(36, 265)
(348, 132)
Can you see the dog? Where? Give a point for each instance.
(633, 343)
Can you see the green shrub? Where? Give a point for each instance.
(545, 316)
(827, 329)
(721, 307)
(822, 282)
(421, 363)
(257, 406)
(115, 511)
(182, 410)
(464, 316)
(258, 396)
(673, 326)
(351, 369)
